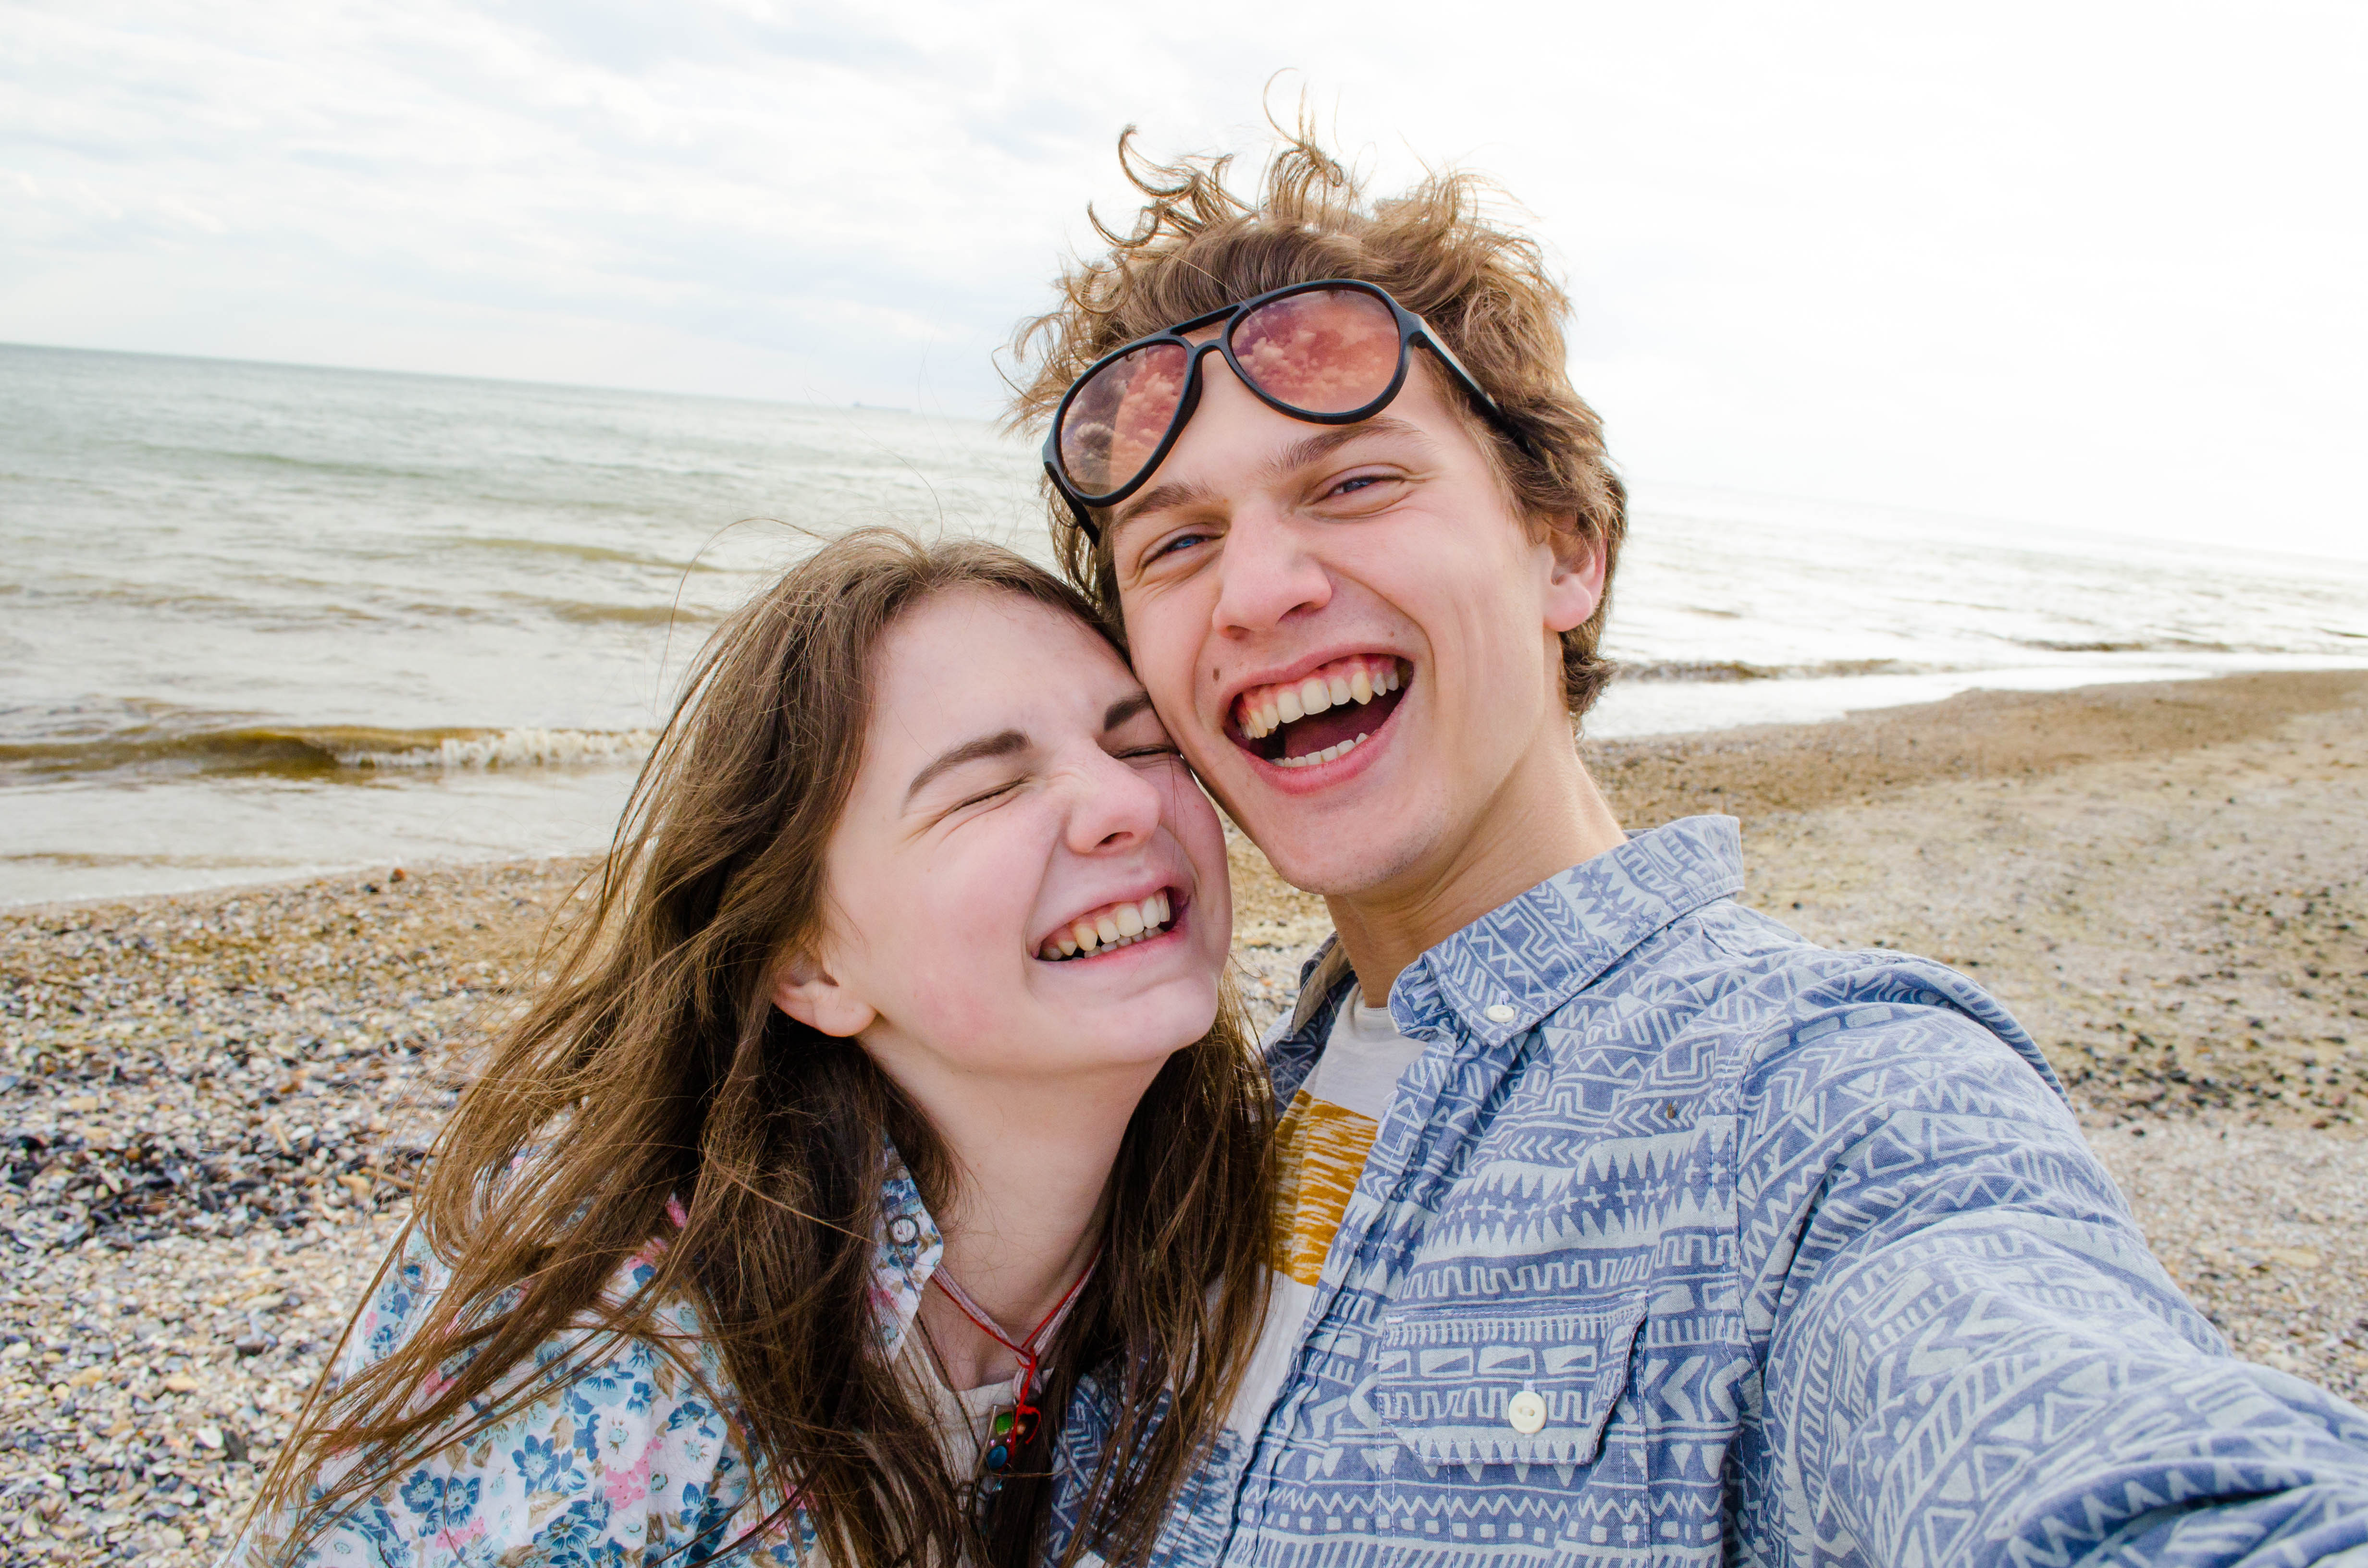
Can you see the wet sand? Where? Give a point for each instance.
(214, 1104)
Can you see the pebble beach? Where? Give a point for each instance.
(213, 1105)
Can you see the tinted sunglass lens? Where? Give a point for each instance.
(1115, 421)
(1327, 351)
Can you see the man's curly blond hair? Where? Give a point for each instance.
(1482, 287)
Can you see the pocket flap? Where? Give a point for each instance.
(1446, 1375)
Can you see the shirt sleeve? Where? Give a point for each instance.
(1969, 1354)
(626, 1460)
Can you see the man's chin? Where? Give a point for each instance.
(1319, 862)
(1318, 844)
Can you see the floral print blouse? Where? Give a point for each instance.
(625, 1461)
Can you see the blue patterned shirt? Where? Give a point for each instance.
(1685, 1240)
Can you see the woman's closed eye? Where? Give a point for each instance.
(982, 795)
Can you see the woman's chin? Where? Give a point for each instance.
(1144, 1029)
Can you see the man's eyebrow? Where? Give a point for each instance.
(1003, 743)
(1326, 441)
(1159, 498)
(1125, 707)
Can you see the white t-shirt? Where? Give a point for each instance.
(1326, 1133)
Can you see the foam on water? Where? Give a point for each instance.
(258, 620)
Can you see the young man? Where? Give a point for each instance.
(1618, 1222)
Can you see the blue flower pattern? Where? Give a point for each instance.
(621, 1460)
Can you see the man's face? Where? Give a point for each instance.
(1378, 570)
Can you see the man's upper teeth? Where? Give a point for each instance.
(1265, 709)
(1115, 925)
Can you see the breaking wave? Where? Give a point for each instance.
(1718, 670)
(321, 752)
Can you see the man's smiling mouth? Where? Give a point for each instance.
(1322, 715)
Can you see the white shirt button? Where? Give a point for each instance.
(901, 1230)
(1501, 1013)
(1526, 1412)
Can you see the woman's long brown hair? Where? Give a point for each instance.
(652, 1063)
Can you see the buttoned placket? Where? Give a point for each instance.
(1380, 1192)
(1357, 1230)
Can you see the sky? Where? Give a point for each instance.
(2049, 266)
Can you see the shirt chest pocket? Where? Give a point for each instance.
(1479, 1385)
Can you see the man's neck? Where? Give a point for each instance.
(1548, 817)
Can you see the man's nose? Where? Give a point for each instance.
(1266, 573)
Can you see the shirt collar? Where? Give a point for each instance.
(905, 1251)
(1519, 962)
(1513, 966)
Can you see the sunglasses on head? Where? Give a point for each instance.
(1331, 352)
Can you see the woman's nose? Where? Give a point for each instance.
(1116, 804)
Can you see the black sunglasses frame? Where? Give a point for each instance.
(1412, 329)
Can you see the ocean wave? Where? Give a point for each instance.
(2144, 645)
(1721, 670)
(584, 550)
(584, 614)
(316, 751)
(514, 749)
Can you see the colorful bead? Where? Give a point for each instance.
(999, 1456)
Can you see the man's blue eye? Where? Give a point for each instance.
(1169, 546)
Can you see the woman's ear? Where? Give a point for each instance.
(808, 992)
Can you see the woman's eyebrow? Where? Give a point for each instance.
(1125, 707)
(1005, 744)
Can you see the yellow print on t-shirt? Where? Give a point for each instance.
(1322, 1148)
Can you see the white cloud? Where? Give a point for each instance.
(2084, 265)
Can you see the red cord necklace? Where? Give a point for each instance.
(1012, 1428)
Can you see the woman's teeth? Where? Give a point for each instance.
(1263, 710)
(1119, 925)
(1326, 755)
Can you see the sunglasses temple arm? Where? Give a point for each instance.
(1488, 404)
(1077, 507)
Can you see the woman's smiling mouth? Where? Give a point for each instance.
(1114, 925)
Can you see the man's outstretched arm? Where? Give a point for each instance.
(1970, 1354)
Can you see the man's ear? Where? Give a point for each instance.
(1574, 577)
(808, 992)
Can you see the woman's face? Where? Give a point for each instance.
(1019, 806)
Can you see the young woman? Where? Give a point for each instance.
(889, 1087)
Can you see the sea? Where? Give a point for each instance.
(262, 622)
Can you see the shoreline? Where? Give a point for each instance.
(214, 1101)
(334, 805)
